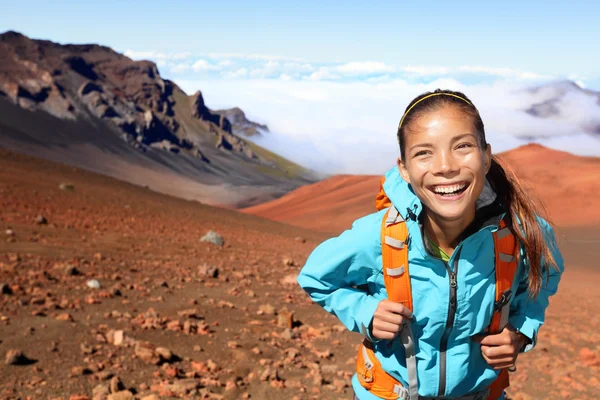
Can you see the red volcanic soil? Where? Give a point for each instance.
(176, 317)
(566, 184)
(327, 206)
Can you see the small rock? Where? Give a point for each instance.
(182, 387)
(214, 238)
(104, 375)
(10, 232)
(80, 371)
(16, 357)
(122, 395)
(70, 270)
(93, 284)
(116, 385)
(41, 220)
(5, 289)
(151, 397)
(118, 337)
(285, 318)
(67, 187)
(164, 353)
(288, 262)
(287, 334)
(64, 317)
(300, 239)
(145, 351)
(100, 391)
(589, 358)
(208, 271)
(267, 309)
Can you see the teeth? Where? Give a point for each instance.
(449, 189)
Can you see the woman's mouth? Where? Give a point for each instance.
(450, 191)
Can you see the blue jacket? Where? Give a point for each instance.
(337, 270)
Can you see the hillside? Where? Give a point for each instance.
(565, 183)
(91, 107)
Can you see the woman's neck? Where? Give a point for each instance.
(444, 233)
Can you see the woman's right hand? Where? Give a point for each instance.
(389, 319)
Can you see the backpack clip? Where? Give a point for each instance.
(503, 301)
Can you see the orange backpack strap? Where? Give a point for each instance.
(505, 245)
(394, 253)
(394, 257)
(382, 201)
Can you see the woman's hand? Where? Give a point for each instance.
(501, 350)
(389, 319)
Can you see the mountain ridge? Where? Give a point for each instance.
(123, 111)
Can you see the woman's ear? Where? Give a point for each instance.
(488, 158)
(403, 170)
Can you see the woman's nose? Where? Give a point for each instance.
(444, 163)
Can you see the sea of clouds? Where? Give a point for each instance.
(342, 118)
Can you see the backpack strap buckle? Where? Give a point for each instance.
(503, 301)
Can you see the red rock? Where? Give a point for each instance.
(589, 358)
(64, 317)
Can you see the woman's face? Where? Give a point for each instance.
(444, 163)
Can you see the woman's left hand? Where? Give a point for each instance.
(501, 350)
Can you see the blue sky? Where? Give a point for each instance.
(331, 78)
(546, 37)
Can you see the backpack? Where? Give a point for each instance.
(396, 271)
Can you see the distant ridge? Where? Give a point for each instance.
(89, 106)
(567, 185)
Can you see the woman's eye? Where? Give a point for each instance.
(464, 145)
(420, 153)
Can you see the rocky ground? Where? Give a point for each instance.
(108, 291)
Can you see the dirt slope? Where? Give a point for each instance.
(565, 183)
(180, 318)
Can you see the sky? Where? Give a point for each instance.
(331, 79)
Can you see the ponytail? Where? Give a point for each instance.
(523, 220)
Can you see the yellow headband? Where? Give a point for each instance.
(428, 96)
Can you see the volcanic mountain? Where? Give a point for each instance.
(91, 107)
(566, 185)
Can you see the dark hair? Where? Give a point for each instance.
(521, 210)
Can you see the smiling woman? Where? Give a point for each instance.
(457, 265)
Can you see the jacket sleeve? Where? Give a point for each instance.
(337, 266)
(527, 315)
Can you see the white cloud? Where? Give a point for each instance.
(269, 69)
(322, 73)
(502, 72)
(364, 68)
(254, 56)
(350, 127)
(425, 70)
(298, 67)
(203, 65)
(180, 67)
(237, 74)
(155, 55)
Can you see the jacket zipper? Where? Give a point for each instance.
(452, 306)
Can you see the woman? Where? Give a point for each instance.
(455, 201)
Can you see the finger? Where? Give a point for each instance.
(390, 317)
(500, 363)
(386, 326)
(398, 308)
(497, 351)
(496, 340)
(378, 334)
